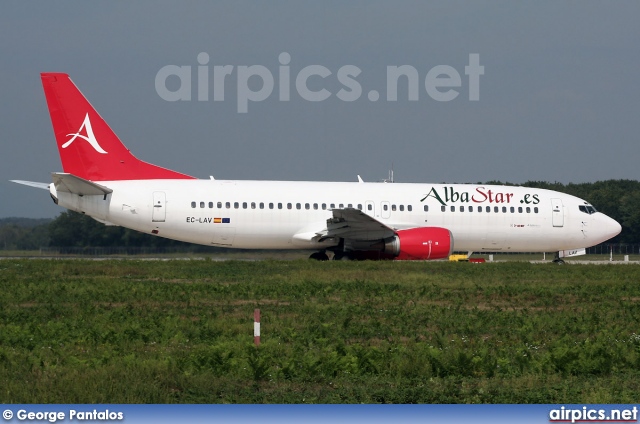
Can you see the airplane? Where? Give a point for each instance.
(351, 220)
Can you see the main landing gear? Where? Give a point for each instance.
(319, 256)
(341, 257)
(322, 256)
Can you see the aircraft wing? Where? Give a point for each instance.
(351, 223)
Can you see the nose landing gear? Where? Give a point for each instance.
(557, 259)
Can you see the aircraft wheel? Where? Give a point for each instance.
(319, 256)
(557, 259)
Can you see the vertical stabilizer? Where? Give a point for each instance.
(88, 148)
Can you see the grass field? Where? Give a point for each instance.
(181, 331)
(241, 254)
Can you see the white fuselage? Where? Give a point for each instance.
(287, 215)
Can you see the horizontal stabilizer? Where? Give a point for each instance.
(107, 223)
(43, 186)
(69, 183)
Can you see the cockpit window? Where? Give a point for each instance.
(588, 209)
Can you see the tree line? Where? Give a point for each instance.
(620, 199)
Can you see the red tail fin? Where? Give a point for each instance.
(88, 148)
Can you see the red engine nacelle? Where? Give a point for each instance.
(421, 244)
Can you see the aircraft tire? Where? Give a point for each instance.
(319, 256)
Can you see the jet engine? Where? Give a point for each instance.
(420, 244)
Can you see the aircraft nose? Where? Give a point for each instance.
(609, 227)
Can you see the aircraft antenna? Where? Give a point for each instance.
(389, 178)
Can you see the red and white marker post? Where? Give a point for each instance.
(256, 327)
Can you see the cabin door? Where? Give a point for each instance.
(557, 212)
(159, 213)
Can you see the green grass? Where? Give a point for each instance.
(133, 331)
(241, 254)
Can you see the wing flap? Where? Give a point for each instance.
(351, 223)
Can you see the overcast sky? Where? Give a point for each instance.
(558, 101)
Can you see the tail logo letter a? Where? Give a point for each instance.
(90, 137)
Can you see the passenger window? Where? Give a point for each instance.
(443, 208)
(488, 209)
(333, 206)
(253, 205)
(210, 205)
(279, 205)
(307, 206)
(298, 206)
(244, 205)
(393, 208)
(512, 209)
(324, 206)
(270, 205)
(401, 208)
(219, 205)
(504, 209)
(528, 209)
(359, 206)
(289, 206)
(369, 207)
(535, 210)
(426, 208)
(470, 208)
(385, 207)
(236, 205)
(193, 204)
(315, 206)
(350, 205)
(228, 205)
(453, 208)
(341, 205)
(461, 208)
(202, 204)
(519, 209)
(409, 208)
(261, 205)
